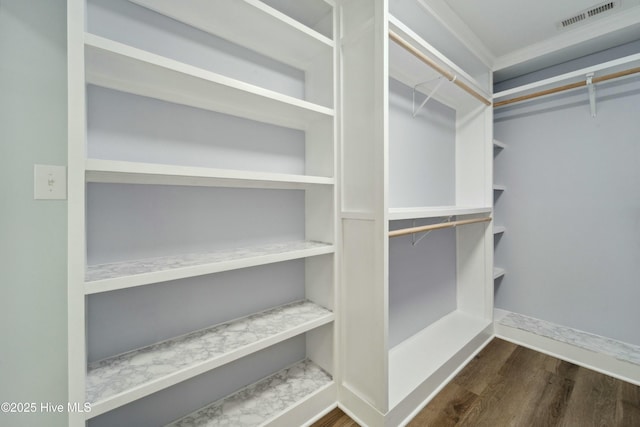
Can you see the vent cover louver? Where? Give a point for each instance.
(588, 13)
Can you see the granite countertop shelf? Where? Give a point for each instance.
(126, 274)
(262, 401)
(124, 378)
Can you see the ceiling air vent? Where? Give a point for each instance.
(588, 14)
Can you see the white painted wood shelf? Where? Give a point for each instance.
(264, 401)
(120, 67)
(435, 212)
(499, 187)
(110, 171)
(498, 272)
(499, 145)
(406, 68)
(498, 229)
(124, 378)
(126, 274)
(417, 358)
(252, 24)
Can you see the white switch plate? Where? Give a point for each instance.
(49, 182)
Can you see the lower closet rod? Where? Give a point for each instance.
(411, 230)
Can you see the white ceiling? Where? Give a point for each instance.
(519, 36)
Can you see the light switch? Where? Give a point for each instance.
(49, 182)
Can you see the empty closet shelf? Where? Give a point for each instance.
(499, 229)
(127, 69)
(262, 28)
(499, 145)
(120, 275)
(124, 378)
(498, 187)
(262, 401)
(435, 212)
(119, 172)
(498, 272)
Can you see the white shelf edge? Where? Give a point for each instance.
(498, 272)
(148, 278)
(418, 357)
(296, 44)
(499, 229)
(125, 68)
(121, 172)
(568, 76)
(319, 396)
(499, 145)
(499, 187)
(140, 391)
(412, 37)
(435, 211)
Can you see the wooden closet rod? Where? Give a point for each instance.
(451, 224)
(567, 87)
(448, 74)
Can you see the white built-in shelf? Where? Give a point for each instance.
(499, 145)
(498, 272)
(126, 274)
(120, 172)
(264, 401)
(120, 67)
(499, 187)
(124, 378)
(406, 68)
(252, 24)
(499, 229)
(417, 358)
(435, 211)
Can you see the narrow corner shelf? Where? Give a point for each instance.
(499, 187)
(119, 380)
(499, 145)
(498, 229)
(262, 28)
(126, 274)
(498, 272)
(117, 66)
(435, 212)
(265, 400)
(120, 172)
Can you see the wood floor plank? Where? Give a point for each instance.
(446, 409)
(628, 405)
(479, 372)
(335, 418)
(593, 400)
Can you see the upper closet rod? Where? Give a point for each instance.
(449, 75)
(567, 87)
(411, 230)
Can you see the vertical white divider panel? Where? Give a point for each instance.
(76, 208)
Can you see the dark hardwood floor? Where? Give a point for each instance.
(509, 385)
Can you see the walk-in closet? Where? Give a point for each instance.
(275, 208)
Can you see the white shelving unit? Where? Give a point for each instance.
(498, 230)
(130, 65)
(414, 310)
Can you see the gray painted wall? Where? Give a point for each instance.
(33, 234)
(572, 210)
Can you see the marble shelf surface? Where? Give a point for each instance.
(157, 264)
(119, 374)
(620, 350)
(261, 401)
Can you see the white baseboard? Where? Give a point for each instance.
(565, 350)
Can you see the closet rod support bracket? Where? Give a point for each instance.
(592, 94)
(433, 92)
(415, 241)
